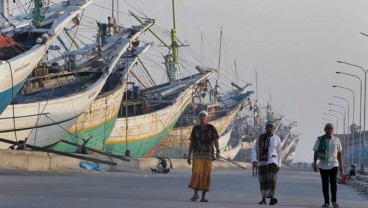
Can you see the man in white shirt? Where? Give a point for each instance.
(327, 150)
(266, 154)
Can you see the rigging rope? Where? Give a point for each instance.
(12, 95)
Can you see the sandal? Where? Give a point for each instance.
(273, 201)
(335, 205)
(325, 205)
(194, 198)
(262, 202)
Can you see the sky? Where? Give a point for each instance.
(293, 44)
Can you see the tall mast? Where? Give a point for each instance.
(174, 63)
(217, 87)
(257, 85)
(167, 57)
(38, 17)
(236, 73)
(201, 49)
(219, 60)
(172, 59)
(4, 8)
(111, 21)
(256, 104)
(112, 8)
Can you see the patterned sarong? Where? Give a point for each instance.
(267, 175)
(201, 175)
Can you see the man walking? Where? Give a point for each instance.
(266, 154)
(327, 150)
(203, 140)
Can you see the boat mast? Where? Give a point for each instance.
(111, 25)
(236, 73)
(217, 87)
(174, 63)
(219, 60)
(172, 59)
(256, 86)
(112, 8)
(4, 8)
(257, 118)
(201, 49)
(38, 17)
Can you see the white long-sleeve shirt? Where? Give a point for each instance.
(274, 151)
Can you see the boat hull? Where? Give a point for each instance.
(7, 95)
(231, 152)
(97, 137)
(139, 134)
(145, 131)
(14, 71)
(96, 123)
(176, 143)
(44, 123)
(36, 122)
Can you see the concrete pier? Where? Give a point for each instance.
(137, 188)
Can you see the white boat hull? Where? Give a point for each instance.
(224, 139)
(145, 131)
(37, 122)
(231, 152)
(44, 123)
(14, 71)
(95, 123)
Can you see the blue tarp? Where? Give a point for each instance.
(91, 166)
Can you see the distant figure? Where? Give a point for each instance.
(327, 150)
(267, 154)
(203, 140)
(161, 166)
(352, 172)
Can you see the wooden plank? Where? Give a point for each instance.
(60, 153)
(98, 151)
(233, 162)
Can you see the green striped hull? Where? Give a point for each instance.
(97, 137)
(138, 149)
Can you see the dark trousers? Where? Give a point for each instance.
(329, 176)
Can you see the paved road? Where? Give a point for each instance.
(230, 188)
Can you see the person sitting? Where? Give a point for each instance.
(162, 166)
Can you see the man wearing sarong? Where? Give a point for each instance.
(327, 150)
(266, 153)
(203, 141)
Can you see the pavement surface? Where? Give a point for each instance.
(139, 188)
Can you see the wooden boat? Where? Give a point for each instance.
(289, 156)
(95, 124)
(148, 114)
(286, 133)
(290, 146)
(176, 144)
(230, 152)
(41, 118)
(25, 40)
(155, 116)
(224, 139)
